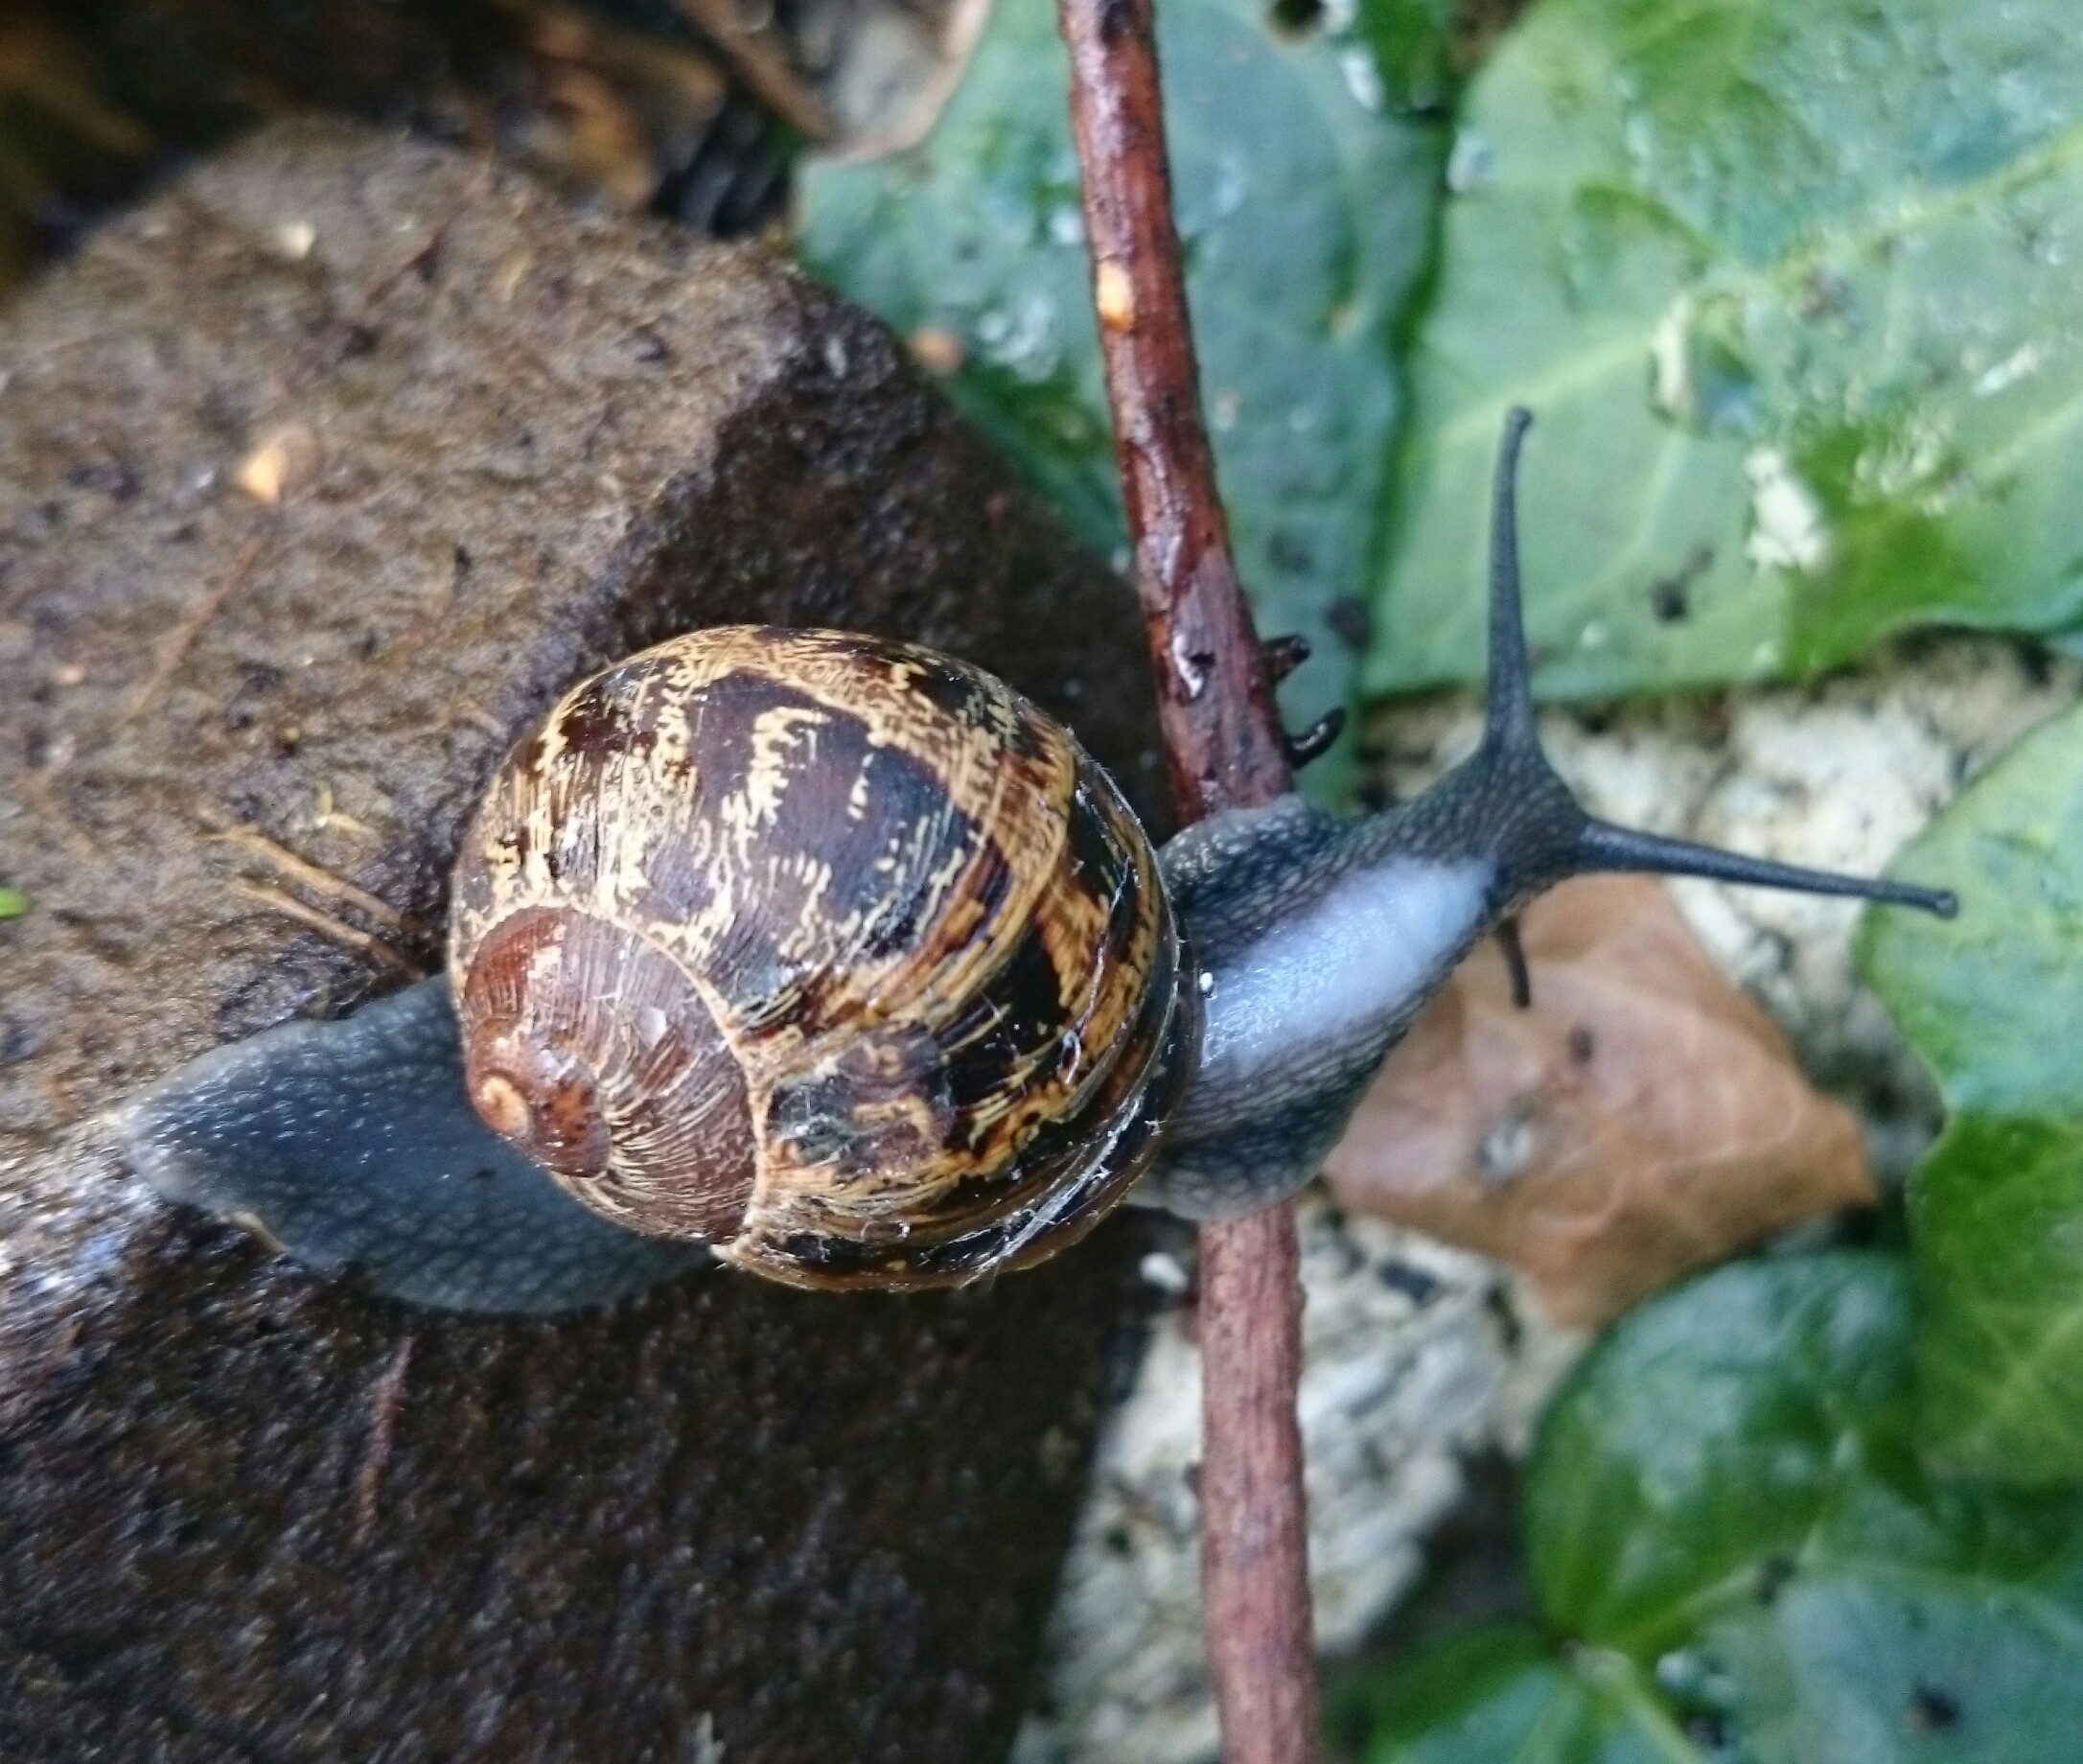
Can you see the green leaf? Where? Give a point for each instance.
(1995, 1216)
(1413, 44)
(1727, 1515)
(1748, 1431)
(1499, 1694)
(1305, 205)
(13, 903)
(1791, 286)
(1708, 1435)
(1990, 1001)
(1883, 1668)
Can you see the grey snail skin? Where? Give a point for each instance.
(838, 960)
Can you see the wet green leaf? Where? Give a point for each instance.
(1990, 1001)
(1997, 1222)
(1730, 1524)
(1886, 1667)
(1790, 286)
(1500, 1693)
(1989, 998)
(1744, 1433)
(1729, 1492)
(1412, 40)
(1305, 203)
(1707, 1436)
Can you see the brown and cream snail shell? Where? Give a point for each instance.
(831, 952)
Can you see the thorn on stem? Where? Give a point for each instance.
(1315, 740)
(1285, 654)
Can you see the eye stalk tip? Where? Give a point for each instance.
(1939, 902)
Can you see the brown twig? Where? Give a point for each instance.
(1226, 747)
(326, 925)
(1255, 1545)
(1222, 729)
(383, 1404)
(317, 879)
(175, 644)
(426, 252)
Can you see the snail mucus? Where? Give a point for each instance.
(838, 959)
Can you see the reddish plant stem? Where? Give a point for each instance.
(1226, 748)
(1253, 1551)
(1222, 730)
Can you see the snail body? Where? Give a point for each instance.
(840, 957)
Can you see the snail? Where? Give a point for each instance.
(838, 957)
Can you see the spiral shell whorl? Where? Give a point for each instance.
(608, 1070)
(920, 926)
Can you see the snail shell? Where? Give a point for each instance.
(831, 952)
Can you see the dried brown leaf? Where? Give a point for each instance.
(1643, 1118)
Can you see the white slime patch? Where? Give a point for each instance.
(1352, 959)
